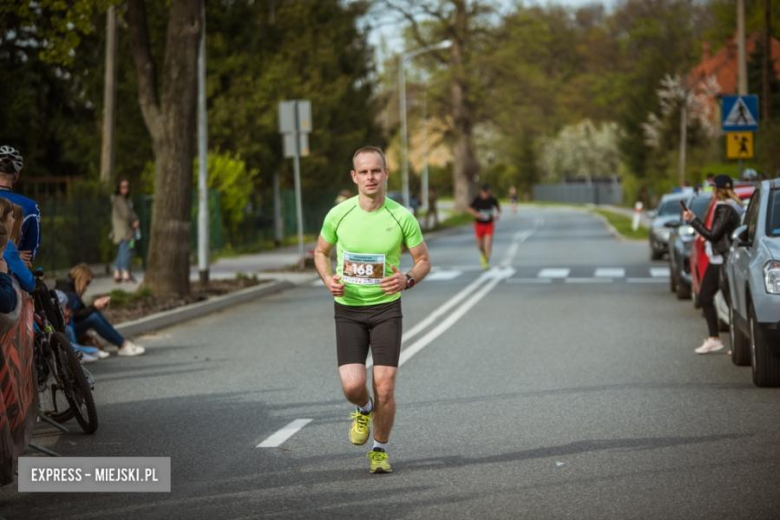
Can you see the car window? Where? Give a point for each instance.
(670, 207)
(699, 206)
(751, 217)
(773, 215)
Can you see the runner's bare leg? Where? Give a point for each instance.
(353, 383)
(384, 401)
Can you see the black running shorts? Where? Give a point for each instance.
(378, 326)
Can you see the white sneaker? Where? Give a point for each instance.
(88, 358)
(101, 343)
(131, 349)
(102, 354)
(709, 345)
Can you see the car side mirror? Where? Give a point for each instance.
(740, 237)
(652, 213)
(673, 224)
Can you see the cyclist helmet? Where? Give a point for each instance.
(11, 160)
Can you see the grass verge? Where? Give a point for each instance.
(623, 225)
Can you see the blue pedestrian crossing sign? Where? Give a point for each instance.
(739, 113)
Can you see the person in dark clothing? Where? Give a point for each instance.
(727, 218)
(11, 164)
(486, 211)
(87, 317)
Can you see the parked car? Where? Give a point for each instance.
(753, 271)
(698, 259)
(680, 243)
(668, 210)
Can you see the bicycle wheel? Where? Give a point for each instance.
(52, 401)
(74, 383)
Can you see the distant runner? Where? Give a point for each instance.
(487, 211)
(369, 231)
(513, 199)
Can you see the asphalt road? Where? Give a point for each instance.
(562, 384)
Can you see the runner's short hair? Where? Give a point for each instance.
(370, 149)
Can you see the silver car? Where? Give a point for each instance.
(753, 271)
(668, 211)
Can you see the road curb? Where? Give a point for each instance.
(200, 309)
(610, 228)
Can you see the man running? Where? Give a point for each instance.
(487, 211)
(369, 231)
(11, 164)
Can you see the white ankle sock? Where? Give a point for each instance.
(382, 445)
(367, 408)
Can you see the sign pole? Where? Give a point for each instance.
(203, 136)
(298, 202)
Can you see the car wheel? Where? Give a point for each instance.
(765, 363)
(740, 345)
(683, 291)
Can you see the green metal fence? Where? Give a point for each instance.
(76, 229)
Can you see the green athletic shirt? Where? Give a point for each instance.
(380, 232)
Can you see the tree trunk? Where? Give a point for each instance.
(465, 167)
(171, 124)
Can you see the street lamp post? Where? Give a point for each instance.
(402, 59)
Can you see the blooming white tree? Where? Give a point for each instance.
(695, 110)
(583, 150)
(673, 94)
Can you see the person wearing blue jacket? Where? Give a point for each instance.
(10, 216)
(11, 164)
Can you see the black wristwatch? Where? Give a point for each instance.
(409, 281)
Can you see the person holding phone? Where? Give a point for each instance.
(87, 317)
(726, 219)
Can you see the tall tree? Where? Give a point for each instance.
(169, 114)
(459, 21)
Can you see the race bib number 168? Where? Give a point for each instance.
(363, 269)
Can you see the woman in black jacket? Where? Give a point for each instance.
(727, 218)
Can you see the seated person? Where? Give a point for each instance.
(87, 317)
(88, 354)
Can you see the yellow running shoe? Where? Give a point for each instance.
(378, 462)
(361, 427)
(484, 261)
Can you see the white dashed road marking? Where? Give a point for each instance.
(553, 273)
(610, 272)
(278, 438)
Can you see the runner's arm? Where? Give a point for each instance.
(324, 268)
(422, 262)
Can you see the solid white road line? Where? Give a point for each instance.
(553, 273)
(437, 331)
(659, 272)
(646, 280)
(442, 275)
(589, 280)
(528, 280)
(466, 291)
(610, 272)
(278, 438)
